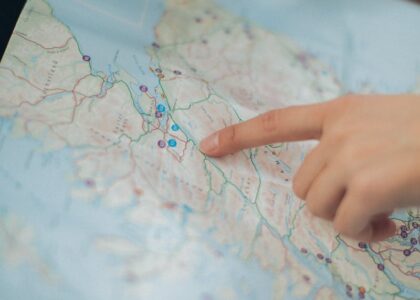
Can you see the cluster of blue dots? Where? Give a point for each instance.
(175, 127)
(172, 142)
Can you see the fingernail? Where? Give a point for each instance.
(210, 143)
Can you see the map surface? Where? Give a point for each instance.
(104, 193)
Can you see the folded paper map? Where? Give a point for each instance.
(104, 193)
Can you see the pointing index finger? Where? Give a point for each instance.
(281, 125)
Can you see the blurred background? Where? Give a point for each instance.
(371, 45)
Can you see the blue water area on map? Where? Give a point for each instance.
(376, 41)
(115, 34)
(35, 188)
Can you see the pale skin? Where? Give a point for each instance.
(366, 165)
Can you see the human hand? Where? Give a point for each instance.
(366, 164)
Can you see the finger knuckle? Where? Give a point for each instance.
(269, 121)
(339, 107)
(335, 137)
